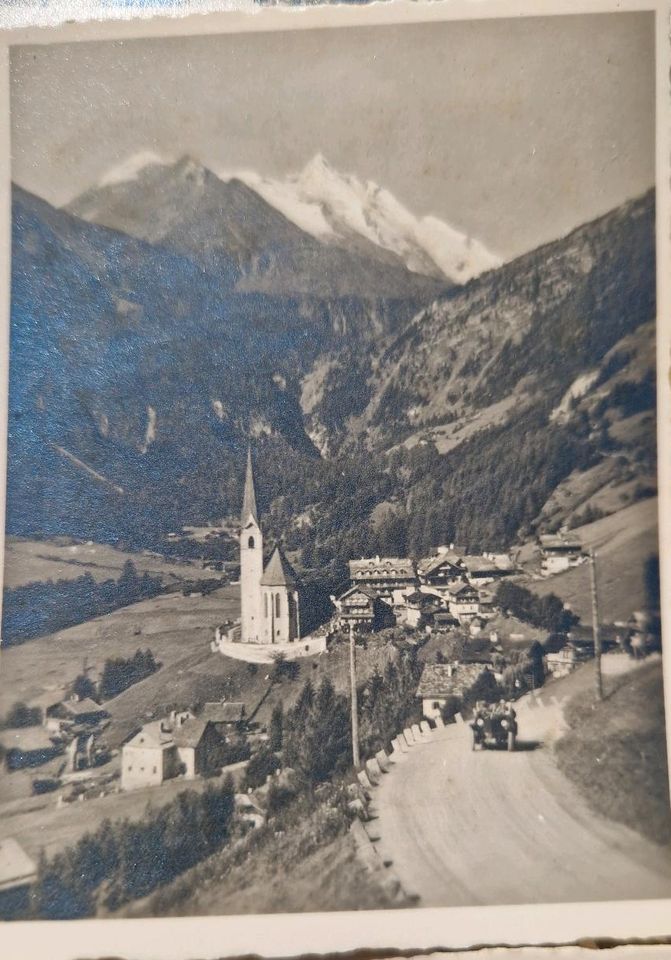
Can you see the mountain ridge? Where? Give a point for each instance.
(153, 370)
(227, 226)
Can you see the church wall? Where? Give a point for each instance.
(251, 571)
(277, 628)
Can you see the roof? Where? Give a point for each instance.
(232, 712)
(429, 564)
(190, 733)
(26, 739)
(249, 497)
(16, 867)
(444, 616)
(357, 588)
(446, 680)
(551, 541)
(456, 588)
(418, 598)
(475, 564)
(83, 707)
(382, 567)
(152, 735)
(279, 572)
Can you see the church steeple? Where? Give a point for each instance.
(249, 499)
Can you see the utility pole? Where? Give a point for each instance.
(595, 627)
(355, 710)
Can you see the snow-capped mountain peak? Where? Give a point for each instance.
(131, 167)
(338, 208)
(333, 206)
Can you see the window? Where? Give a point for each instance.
(155, 770)
(250, 543)
(129, 767)
(265, 605)
(277, 604)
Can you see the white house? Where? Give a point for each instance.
(464, 601)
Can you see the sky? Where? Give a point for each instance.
(514, 131)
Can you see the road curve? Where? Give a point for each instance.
(489, 827)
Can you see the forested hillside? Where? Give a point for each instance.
(475, 414)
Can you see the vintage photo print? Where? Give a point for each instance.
(331, 567)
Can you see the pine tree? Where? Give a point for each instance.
(276, 724)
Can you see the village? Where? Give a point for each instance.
(450, 610)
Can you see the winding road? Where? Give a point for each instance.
(488, 827)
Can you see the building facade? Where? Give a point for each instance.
(178, 746)
(363, 610)
(383, 575)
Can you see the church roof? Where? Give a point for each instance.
(279, 572)
(249, 499)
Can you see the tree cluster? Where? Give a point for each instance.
(119, 673)
(387, 700)
(525, 670)
(262, 764)
(38, 608)
(21, 715)
(125, 860)
(316, 735)
(547, 612)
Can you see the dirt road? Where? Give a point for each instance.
(490, 827)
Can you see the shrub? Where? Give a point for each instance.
(21, 715)
(284, 668)
(451, 707)
(134, 858)
(262, 764)
(279, 798)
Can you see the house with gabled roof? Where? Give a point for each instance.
(559, 553)
(463, 601)
(149, 758)
(182, 745)
(440, 571)
(361, 608)
(74, 711)
(463, 682)
(224, 715)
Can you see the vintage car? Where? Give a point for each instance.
(494, 730)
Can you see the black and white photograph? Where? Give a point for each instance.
(331, 566)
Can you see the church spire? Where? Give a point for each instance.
(249, 499)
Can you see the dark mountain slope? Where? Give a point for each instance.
(139, 372)
(135, 368)
(520, 334)
(185, 207)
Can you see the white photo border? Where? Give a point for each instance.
(404, 930)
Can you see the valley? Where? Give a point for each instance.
(408, 398)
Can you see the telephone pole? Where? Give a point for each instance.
(595, 627)
(355, 710)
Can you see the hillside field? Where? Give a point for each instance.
(39, 824)
(27, 561)
(611, 745)
(171, 626)
(623, 541)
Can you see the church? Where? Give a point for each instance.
(269, 598)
